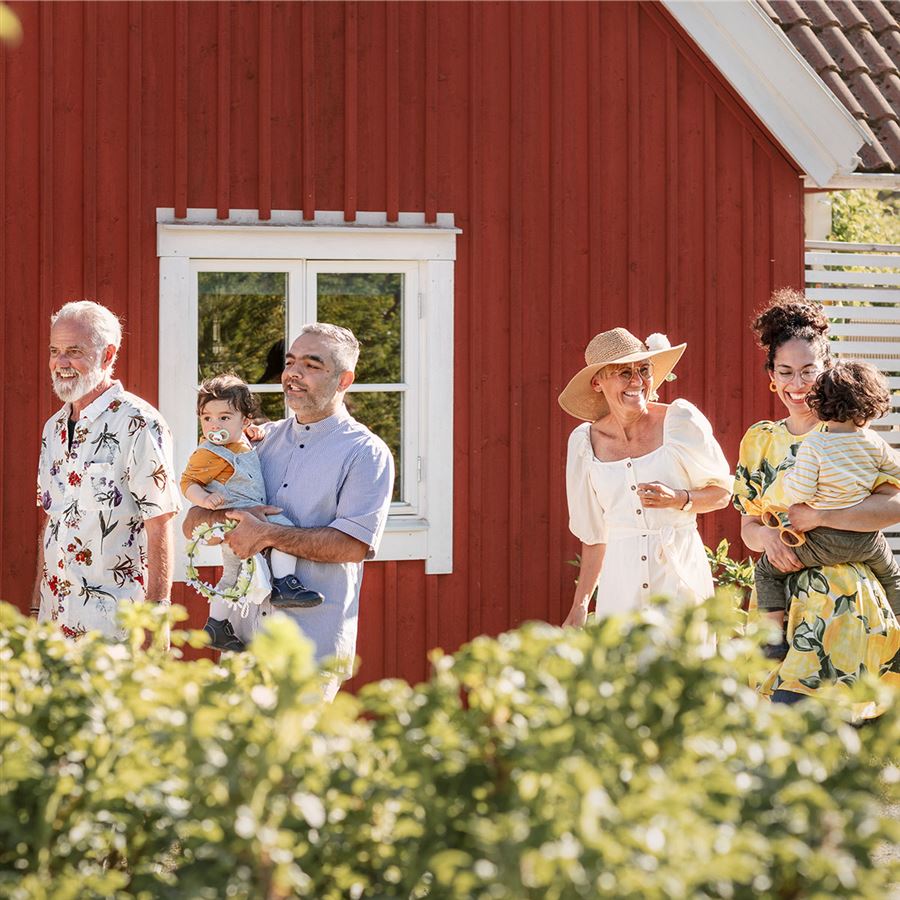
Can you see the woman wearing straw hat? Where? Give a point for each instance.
(637, 474)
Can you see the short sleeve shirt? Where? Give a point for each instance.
(337, 474)
(97, 494)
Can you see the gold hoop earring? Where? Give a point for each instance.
(772, 387)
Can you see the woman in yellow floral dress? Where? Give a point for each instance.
(839, 623)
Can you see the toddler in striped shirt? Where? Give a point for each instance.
(836, 469)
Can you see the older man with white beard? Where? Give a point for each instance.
(105, 484)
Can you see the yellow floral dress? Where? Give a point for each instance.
(839, 623)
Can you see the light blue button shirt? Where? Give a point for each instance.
(334, 473)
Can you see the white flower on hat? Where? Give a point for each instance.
(657, 341)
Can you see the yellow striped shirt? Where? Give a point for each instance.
(834, 470)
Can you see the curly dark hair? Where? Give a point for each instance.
(850, 392)
(790, 315)
(230, 388)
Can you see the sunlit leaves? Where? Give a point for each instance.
(628, 759)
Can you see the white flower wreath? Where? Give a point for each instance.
(235, 596)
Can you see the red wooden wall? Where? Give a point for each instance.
(601, 171)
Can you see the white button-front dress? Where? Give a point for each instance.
(649, 552)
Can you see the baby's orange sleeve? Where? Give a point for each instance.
(203, 467)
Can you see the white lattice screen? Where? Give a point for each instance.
(860, 287)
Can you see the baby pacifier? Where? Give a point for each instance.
(218, 437)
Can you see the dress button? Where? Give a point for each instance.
(265, 613)
(646, 586)
(638, 512)
(643, 559)
(628, 466)
(633, 488)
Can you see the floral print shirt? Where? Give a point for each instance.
(97, 493)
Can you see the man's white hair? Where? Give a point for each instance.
(345, 345)
(103, 325)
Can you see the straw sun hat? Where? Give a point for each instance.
(579, 399)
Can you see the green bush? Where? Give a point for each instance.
(733, 575)
(628, 759)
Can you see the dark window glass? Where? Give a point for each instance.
(271, 407)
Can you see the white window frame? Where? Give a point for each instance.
(421, 527)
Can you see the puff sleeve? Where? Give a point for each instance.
(586, 517)
(691, 437)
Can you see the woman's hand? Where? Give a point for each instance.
(577, 616)
(780, 555)
(656, 495)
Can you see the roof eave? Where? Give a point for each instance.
(778, 85)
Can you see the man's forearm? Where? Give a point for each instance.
(881, 510)
(160, 557)
(316, 544)
(39, 574)
(196, 515)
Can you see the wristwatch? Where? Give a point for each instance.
(689, 504)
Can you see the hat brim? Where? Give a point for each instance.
(579, 399)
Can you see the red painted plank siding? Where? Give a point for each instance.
(601, 172)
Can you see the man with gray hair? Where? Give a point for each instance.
(333, 479)
(105, 484)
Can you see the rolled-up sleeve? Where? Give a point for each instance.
(586, 518)
(364, 499)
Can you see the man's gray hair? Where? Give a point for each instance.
(103, 325)
(345, 345)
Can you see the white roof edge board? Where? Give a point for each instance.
(774, 80)
(879, 181)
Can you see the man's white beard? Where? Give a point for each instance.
(69, 390)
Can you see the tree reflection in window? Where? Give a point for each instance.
(242, 324)
(370, 304)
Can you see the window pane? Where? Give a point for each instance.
(242, 324)
(271, 407)
(382, 413)
(370, 304)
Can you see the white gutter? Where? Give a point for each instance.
(774, 80)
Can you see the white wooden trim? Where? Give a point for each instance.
(880, 181)
(873, 260)
(419, 530)
(781, 88)
(200, 236)
(438, 456)
(178, 328)
(406, 221)
(870, 295)
(876, 279)
(841, 247)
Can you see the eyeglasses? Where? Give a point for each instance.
(807, 375)
(772, 519)
(625, 374)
